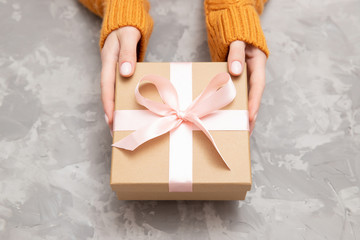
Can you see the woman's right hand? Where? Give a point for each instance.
(120, 46)
(239, 53)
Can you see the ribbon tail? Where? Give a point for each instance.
(148, 132)
(201, 126)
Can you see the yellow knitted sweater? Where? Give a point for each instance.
(226, 21)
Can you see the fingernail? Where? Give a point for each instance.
(252, 126)
(106, 119)
(236, 67)
(107, 122)
(125, 69)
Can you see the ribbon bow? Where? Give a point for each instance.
(218, 93)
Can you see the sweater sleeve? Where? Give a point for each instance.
(231, 20)
(120, 13)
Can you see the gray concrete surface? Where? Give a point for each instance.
(55, 146)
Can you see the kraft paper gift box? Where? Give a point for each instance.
(143, 174)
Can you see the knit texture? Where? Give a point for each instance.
(226, 21)
(231, 20)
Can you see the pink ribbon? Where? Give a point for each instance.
(219, 93)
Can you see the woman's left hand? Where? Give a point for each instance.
(255, 59)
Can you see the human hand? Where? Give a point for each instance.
(255, 60)
(120, 46)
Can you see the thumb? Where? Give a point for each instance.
(236, 58)
(127, 54)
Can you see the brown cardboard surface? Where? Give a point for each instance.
(143, 174)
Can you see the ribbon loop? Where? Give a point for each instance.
(219, 93)
(166, 91)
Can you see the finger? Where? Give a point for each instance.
(256, 89)
(236, 58)
(127, 55)
(107, 89)
(109, 57)
(256, 68)
(252, 125)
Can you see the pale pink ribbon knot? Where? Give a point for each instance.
(218, 93)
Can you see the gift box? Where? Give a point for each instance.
(184, 163)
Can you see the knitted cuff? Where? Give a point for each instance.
(235, 20)
(120, 13)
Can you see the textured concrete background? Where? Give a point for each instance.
(55, 145)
